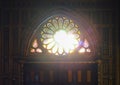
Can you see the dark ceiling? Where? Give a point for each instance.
(46, 3)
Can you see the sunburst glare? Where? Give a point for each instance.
(60, 36)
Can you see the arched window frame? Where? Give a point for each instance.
(44, 51)
(88, 30)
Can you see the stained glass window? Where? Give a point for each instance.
(60, 36)
(35, 47)
(84, 47)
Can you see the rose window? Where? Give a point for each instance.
(60, 36)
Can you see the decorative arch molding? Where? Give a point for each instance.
(87, 29)
(32, 64)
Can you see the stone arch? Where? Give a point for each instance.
(87, 28)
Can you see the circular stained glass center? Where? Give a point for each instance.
(60, 36)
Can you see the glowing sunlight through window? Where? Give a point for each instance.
(60, 36)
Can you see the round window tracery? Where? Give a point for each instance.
(60, 35)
